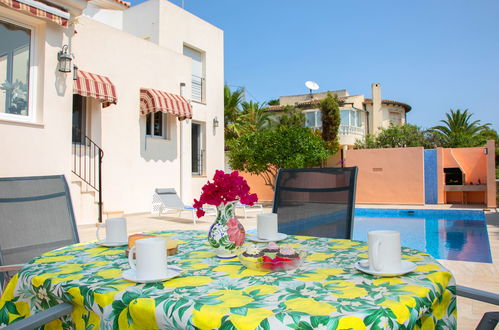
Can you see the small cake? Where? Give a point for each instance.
(133, 238)
(171, 244)
(253, 252)
(272, 247)
(287, 252)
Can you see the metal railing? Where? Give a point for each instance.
(87, 165)
(197, 88)
(198, 165)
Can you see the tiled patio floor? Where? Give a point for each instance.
(477, 275)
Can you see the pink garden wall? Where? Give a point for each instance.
(396, 175)
(389, 176)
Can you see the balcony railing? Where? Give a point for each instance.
(351, 130)
(197, 88)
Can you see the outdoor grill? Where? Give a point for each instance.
(453, 176)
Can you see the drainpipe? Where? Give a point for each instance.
(367, 119)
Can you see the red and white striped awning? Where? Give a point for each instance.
(39, 9)
(153, 100)
(96, 86)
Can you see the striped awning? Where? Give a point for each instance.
(39, 9)
(153, 100)
(96, 86)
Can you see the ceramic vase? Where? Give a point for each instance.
(226, 234)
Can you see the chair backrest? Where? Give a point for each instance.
(36, 216)
(170, 199)
(316, 201)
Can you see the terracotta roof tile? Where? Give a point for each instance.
(124, 3)
(391, 102)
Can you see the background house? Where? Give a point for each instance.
(359, 115)
(139, 68)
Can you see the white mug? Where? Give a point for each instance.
(150, 258)
(266, 227)
(384, 250)
(116, 231)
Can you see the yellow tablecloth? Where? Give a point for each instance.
(325, 292)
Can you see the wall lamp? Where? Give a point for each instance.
(486, 151)
(215, 122)
(64, 59)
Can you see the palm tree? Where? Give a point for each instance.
(254, 117)
(459, 131)
(232, 110)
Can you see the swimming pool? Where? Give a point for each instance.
(445, 234)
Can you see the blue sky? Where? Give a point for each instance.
(434, 55)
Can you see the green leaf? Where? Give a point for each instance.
(317, 320)
(226, 324)
(182, 310)
(11, 308)
(280, 316)
(302, 325)
(332, 324)
(265, 325)
(239, 310)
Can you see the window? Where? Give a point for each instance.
(395, 118)
(15, 67)
(350, 118)
(197, 149)
(156, 125)
(197, 84)
(313, 118)
(79, 118)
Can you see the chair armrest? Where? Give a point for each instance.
(10, 268)
(41, 318)
(488, 297)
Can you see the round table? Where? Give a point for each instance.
(325, 292)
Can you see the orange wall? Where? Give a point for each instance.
(257, 185)
(440, 176)
(389, 176)
(491, 174)
(396, 176)
(472, 162)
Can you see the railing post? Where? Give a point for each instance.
(101, 155)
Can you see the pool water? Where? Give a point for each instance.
(445, 234)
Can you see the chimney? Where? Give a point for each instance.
(376, 115)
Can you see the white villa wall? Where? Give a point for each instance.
(134, 22)
(133, 166)
(176, 28)
(110, 17)
(41, 146)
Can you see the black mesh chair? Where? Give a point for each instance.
(316, 201)
(489, 319)
(36, 216)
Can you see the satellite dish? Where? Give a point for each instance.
(312, 85)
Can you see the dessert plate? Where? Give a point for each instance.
(254, 238)
(111, 244)
(405, 267)
(171, 272)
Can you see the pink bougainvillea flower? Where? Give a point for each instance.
(235, 231)
(226, 187)
(200, 213)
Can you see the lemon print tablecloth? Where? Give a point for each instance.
(326, 292)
